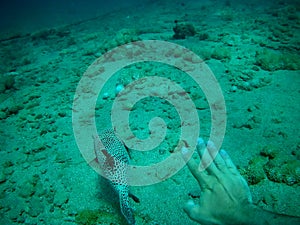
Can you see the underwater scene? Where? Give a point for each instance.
(170, 112)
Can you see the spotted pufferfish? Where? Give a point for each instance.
(112, 157)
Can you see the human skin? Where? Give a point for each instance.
(225, 196)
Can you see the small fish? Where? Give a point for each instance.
(113, 159)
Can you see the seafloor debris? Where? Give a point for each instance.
(280, 168)
(182, 30)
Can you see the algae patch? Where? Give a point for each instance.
(272, 60)
(280, 168)
(97, 216)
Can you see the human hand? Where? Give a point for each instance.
(225, 196)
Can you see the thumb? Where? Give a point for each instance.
(192, 210)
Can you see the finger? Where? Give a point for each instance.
(192, 210)
(200, 176)
(200, 145)
(232, 169)
(206, 162)
(214, 153)
(229, 164)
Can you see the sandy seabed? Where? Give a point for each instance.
(253, 51)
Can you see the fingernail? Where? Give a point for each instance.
(210, 144)
(190, 203)
(200, 141)
(184, 150)
(223, 153)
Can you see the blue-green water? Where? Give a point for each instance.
(252, 50)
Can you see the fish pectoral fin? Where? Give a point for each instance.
(134, 198)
